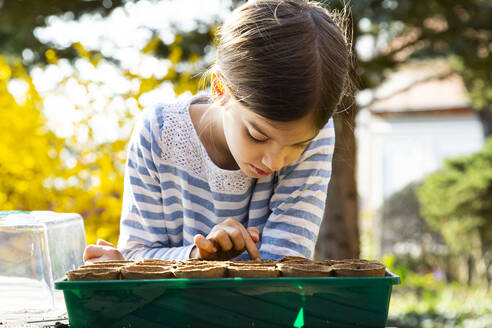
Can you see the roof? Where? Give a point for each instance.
(417, 86)
(441, 93)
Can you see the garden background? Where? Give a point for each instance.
(75, 74)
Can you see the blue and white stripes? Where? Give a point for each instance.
(173, 191)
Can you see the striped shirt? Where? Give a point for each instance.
(173, 190)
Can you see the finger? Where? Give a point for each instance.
(203, 244)
(253, 252)
(91, 261)
(250, 244)
(236, 237)
(92, 251)
(254, 233)
(102, 242)
(108, 254)
(254, 229)
(222, 239)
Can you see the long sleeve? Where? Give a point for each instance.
(143, 232)
(298, 201)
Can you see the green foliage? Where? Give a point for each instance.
(438, 28)
(18, 19)
(457, 201)
(406, 29)
(423, 300)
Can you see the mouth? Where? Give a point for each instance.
(260, 171)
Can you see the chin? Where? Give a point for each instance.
(252, 175)
(249, 173)
(246, 170)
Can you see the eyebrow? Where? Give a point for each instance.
(266, 135)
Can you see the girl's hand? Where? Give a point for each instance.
(226, 241)
(102, 251)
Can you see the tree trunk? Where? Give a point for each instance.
(485, 116)
(339, 232)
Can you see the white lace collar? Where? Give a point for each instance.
(182, 147)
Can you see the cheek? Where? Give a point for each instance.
(249, 150)
(235, 140)
(293, 155)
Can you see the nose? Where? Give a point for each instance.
(274, 160)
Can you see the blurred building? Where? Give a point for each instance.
(406, 129)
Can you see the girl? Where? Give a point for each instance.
(242, 173)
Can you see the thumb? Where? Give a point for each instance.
(102, 242)
(91, 252)
(254, 233)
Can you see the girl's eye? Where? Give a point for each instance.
(300, 146)
(253, 138)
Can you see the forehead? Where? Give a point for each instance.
(303, 128)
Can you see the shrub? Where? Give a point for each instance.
(457, 202)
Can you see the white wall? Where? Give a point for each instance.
(393, 152)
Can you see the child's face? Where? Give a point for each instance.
(277, 144)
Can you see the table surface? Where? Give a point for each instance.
(46, 320)
(37, 319)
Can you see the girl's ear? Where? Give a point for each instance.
(217, 88)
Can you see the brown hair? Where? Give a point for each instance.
(284, 59)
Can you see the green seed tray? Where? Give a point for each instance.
(230, 302)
